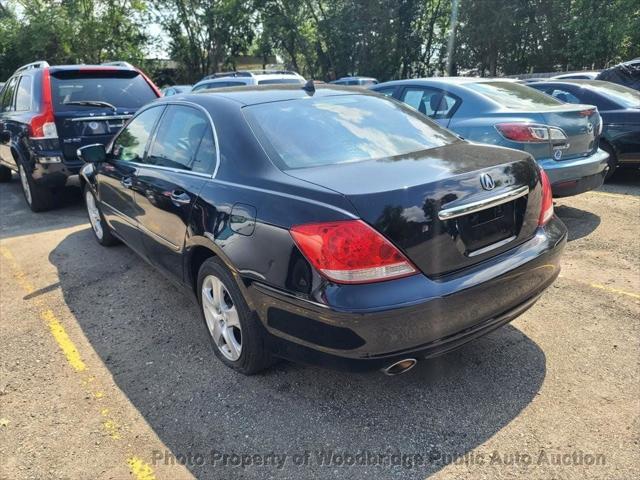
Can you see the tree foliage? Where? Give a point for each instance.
(325, 39)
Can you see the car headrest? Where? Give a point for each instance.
(438, 103)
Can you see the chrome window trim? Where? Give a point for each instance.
(170, 169)
(472, 207)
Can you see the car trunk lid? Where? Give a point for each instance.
(433, 206)
(580, 123)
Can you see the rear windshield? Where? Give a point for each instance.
(513, 95)
(624, 96)
(218, 85)
(275, 81)
(341, 129)
(125, 89)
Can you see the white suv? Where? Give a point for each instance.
(248, 77)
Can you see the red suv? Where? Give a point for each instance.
(47, 113)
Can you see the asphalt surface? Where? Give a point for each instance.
(106, 372)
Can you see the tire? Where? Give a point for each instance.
(613, 160)
(38, 198)
(241, 329)
(101, 231)
(5, 174)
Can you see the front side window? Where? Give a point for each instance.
(342, 128)
(430, 102)
(130, 145)
(513, 95)
(183, 141)
(23, 97)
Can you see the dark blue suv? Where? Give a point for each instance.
(47, 113)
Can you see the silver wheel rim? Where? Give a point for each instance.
(94, 214)
(25, 184)
(222, 317)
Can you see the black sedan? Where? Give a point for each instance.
(329, 226)
(619, 108)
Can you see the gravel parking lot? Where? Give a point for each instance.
(106, 372)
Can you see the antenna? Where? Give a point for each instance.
(309, 87)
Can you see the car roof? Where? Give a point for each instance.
(255, 94)
(449, 80)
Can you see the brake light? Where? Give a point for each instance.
(530, 133)
(546, 203)
(43, 125)
(350, 251)
(587, 113)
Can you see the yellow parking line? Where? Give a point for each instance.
(615, 290)
(139, 469)
(64, 342)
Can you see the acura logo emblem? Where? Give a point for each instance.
(487, 182)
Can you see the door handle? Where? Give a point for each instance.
(126, 182)
(180, 197)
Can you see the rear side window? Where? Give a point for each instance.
(341, 129)
(7, 97)
(120, 88)
(183, 141)
(564, 96)
(129, 146)
(513, 95)
(23, 97)
(430, 102)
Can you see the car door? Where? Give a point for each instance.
(436, 104)
(7, 107)
(181, 158)
(118, 177)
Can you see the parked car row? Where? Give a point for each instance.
(325, 224)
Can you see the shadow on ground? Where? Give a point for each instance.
(153, 342)
(624, 181)
(580, 223)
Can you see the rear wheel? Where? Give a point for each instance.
(38, 198)
(5, 174)
(101, 230)
(613, 160)
(235, 335)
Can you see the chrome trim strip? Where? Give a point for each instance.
(168, 169)
(472, 207)
(101, 117)
(493, 246)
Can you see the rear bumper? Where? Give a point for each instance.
(571, 177)
(53, 175)
(423, 317)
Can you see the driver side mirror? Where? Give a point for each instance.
(95, 153)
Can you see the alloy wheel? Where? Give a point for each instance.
(222, 317)
(94, 214)
(26, 188)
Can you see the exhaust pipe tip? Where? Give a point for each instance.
(400, 367)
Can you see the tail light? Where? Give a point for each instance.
(587, 113)
(530, 133)
(350, 251)
(43, 125)
(546, 204)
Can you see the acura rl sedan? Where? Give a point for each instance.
(562, 138)
(326, 226)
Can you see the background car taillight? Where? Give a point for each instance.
(546, 203)
(350, 251)
(532, 133)
(43, 125)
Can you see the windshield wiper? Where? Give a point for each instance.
(91, 103)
